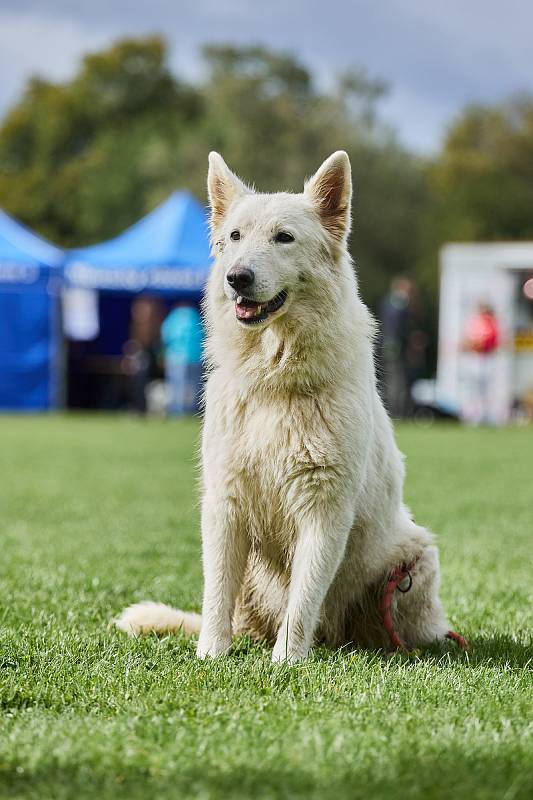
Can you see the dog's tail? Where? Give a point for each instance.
(151, 617)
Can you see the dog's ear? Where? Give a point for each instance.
(222, 186)
(330, 189)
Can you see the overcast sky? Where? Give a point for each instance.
(436, 56)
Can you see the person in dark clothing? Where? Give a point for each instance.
(403, 346)
(142, 361)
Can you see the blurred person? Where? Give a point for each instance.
(141, 361)
(527, 405)
(481, 341)
(182, 337)
(403, 346)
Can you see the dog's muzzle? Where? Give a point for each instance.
(250, 312)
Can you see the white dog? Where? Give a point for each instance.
(305, 534)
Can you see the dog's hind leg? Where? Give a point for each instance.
(410, 604)
(148, 617)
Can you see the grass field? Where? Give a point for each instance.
(99, 512)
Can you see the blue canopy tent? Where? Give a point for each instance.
(165, 255)
(165, 252)
(30, 282)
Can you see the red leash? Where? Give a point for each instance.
(458, 639)
(400, 575)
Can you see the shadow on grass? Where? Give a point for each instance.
(451, 774)
(500, 650)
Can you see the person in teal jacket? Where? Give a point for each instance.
(182, 339)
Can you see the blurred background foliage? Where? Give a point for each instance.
(82, 160)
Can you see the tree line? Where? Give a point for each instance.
(83, 159)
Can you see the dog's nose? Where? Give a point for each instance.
(240, 278)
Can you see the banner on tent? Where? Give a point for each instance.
(131, 279)
(13, 272)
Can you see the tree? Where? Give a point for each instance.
(80, 161)
(484, 176)
(480, 185)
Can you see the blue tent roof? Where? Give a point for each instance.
(23, 254)
(30, 279)
(168, 250)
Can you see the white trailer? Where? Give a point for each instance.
(494, 274)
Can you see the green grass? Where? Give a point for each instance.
(99, 512)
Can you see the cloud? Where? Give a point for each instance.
(32, 44)
(435, 57)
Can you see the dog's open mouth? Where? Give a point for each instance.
(249, 312)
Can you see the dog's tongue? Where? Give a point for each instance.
(247, 309)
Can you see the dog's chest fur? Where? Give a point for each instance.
(280, 456)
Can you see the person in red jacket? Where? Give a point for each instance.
(482, 331)
(482, 339)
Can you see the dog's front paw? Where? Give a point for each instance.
(284, 653)
(213, 646)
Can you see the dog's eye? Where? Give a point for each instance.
(235, 236)
(284, 237)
